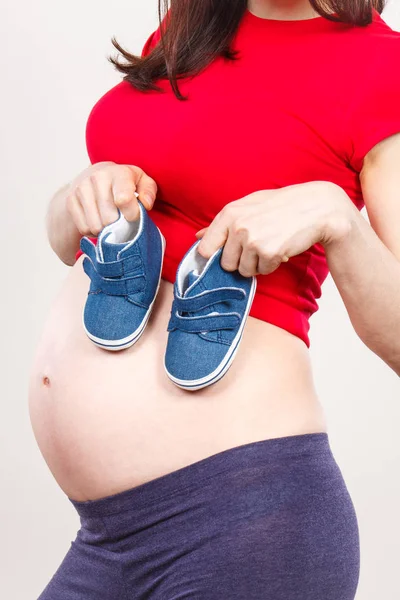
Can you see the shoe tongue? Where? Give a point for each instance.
(109, 250)
(194, 277)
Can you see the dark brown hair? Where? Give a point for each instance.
(193, 32)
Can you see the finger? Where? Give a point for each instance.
(248, 263)
(214, 238)
(78, 214)
(201, 232)
(86, 196)
(123, 189)
(147, 190)
(231, 253)
(268, 263)
(105, 201)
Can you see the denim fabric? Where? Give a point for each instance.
(124, 278)
(207, 318)
(268, 520)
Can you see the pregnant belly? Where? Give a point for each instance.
(106, 421)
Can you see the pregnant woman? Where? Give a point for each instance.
(262, 127)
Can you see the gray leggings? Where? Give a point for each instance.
(270, 520)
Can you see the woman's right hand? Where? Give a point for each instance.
(96, 194)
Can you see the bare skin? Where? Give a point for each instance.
(106, 421)
(282, 9)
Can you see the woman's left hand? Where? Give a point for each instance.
(268, 227)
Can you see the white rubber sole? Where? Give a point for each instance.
(219, 372)
(130, 340)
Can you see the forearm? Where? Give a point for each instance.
(367, 275)
(62, 233)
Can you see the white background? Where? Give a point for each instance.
(54, 69)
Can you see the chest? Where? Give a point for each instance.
(244, 126)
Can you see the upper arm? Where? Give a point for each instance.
(373, 114)
(380, 182)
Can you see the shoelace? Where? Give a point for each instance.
(202, 323)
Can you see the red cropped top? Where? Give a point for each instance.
(306, 100)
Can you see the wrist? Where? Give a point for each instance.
(340, 217)
(62, 233)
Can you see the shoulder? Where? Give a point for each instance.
(151, 42)
(373, 89)
(155, 36)
(379, 29)
(371, 59)
(378, 41)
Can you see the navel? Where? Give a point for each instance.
(46, 381)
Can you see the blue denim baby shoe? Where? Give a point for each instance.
(208, 314)
(125, 272)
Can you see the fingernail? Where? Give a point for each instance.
(149, 199)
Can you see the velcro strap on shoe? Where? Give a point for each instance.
(208, 298)
(118, 287)
(204, 323)
(118, 268)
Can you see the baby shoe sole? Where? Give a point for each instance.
(219, 372)
(130, 340)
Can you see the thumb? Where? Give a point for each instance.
(147, 190)
(147, 198)
(201, 232)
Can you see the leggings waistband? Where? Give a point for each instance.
(191, 476)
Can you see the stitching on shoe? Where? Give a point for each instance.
(217, 341)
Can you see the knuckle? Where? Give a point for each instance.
(123, 197)
(262, 269)
(98, 178)
(253, 244)
(227, 265)
(125, 194)
(239, 227)
(272, 256)
(108, 167)
(131, 171)
(85, 184)
(221, 215)
(268, 253)
(81, 191)
(96, 229)
(245, 272)
(84, 230)
(230, 208)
